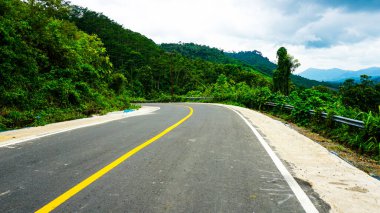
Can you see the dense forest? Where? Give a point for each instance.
(251, 60)
(50, 70)
(59, 61)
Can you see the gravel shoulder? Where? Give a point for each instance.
(344, 187)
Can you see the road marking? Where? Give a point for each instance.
(80, 186)
(304, 200)
(4, 193)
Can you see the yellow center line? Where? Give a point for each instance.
(80, 186)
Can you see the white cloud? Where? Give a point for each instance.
(351, 57)
(346, 39)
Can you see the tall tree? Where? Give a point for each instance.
(363, 95)
(286, 64)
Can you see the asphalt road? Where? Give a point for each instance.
(210, 163)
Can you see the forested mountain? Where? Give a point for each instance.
(250, 60)
(204, 52)
(149, 69)
(125, 47)
(211, 54)
(255, 59)
(263, 64)
(59, 61)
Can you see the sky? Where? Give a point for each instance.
(322, 34)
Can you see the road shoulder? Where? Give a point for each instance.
(9, 138)
(344, 187)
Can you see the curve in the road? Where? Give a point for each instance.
(80, 186)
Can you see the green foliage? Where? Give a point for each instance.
(227, 91)
(118, 83)
(318, 99)
(371, 134)
(196, 51)
(222, 89)
(60, 62)
(151, 71)
(365, 140)
(127, 49)
(364, 95)
(132, 54)
(50, 70)
(258, 62)
(285, 66)
(214, 55)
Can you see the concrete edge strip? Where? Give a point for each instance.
(33, 137)
(304, 200)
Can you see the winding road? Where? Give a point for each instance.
(182, 158)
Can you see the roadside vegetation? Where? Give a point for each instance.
(320, 99)
(360, 101)
(59, 61)
(50, 70)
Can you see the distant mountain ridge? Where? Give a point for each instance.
(264, 65)
(339, 75)
(248, 59)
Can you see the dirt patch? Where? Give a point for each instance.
(358, 189)
(320, 204)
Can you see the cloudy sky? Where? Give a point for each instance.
(320, 33)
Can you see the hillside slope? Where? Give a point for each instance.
(259, 62)
(252, 60)
(49, 69)
(152, 70)
(195, 51)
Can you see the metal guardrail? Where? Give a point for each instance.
(336, 118)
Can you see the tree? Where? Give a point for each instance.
(49, 69)
(363, 95)
(286, 64)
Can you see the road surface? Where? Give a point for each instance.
(211, 162)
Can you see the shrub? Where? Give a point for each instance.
(118, 83)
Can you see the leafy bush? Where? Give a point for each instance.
(365, 140)
(49, 69)
(118, 82)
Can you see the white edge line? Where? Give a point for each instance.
(33, 137)
(307, 205)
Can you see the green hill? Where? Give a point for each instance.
(254, 59)
(196, 51)
(73, 62)
(124, 47)
(250, 60)
(150, 69)
(263, 64)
